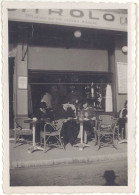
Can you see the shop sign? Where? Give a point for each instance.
(98, 19)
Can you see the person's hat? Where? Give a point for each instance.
(109, 175)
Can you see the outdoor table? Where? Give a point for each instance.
(81, 145)
(34, 147)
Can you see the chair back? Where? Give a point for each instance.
(107, 122)
(20, 123)
(57, 124)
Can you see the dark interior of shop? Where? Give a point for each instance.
(44, 81)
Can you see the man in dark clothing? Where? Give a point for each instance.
(42, 114)
(122, 118)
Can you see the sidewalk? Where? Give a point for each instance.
(19, 156)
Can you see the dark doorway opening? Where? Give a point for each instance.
(11, 99)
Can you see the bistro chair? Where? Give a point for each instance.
(52, 130)
(22, 131)
(105, 131)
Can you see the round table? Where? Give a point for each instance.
(34, 147)
(81, 145)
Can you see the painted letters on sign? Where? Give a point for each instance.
(99, 19)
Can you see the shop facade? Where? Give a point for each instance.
(56, 51)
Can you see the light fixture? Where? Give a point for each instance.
(77, 34)
(124, 49)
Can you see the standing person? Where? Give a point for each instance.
(47, 99)
(90, 117)
(74, 96)
(123, 118)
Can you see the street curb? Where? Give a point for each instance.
(35, 163)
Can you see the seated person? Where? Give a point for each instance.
(88, 114)
(122, 118)
(70, 129)
(42, 113)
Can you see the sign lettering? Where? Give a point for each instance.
(109, 17)
(73, 17)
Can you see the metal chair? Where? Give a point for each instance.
(105, 131)
(21, 130)
(52, 129)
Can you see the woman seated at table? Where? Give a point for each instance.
(70, 128)
(89, 115)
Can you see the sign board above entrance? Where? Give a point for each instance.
(99, 19)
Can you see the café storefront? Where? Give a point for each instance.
(59, 50)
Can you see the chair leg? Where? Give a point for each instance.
(113, 137)
(99, 142)
(15, 139)
(40, 141)
(44, 144)
(96, 139)
(122, 133)
(118, 133)
(61, 143)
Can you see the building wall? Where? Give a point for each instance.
(43, 58)
(72, 59)
(120, 57)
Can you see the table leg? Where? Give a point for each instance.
(81, 129)
(85, 137)
(34, 127)
(81, 145)
(99, 141)
(34, 147)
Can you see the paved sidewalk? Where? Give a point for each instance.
(19, 156)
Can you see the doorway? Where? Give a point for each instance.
(11, 99)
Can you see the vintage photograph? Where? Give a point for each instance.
(68, 97)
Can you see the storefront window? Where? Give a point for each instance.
(72, 88)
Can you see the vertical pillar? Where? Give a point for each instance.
(120, 41)
(21, 81)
